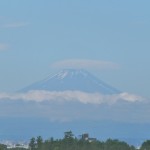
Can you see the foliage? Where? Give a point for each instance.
(3, 147)
(69, 142)
(32, 143)
(146, 145)
(39, 142)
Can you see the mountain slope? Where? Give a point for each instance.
(75, 80)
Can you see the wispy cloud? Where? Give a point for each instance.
(82, 97)
(16, 24)
(85, 64)
(3, 46)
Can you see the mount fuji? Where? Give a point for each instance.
(73, 100)
(73, 80)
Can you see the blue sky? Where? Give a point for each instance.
(37, 37)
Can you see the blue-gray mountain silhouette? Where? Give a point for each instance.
(74, 80)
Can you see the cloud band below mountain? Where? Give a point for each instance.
(82, 97)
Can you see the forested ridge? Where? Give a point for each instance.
(70, 142)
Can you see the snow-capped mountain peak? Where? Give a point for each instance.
(73, 80)
(68, 73)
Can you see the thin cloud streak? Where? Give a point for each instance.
(3, 46)
(16, 25)
(85, 64)
(82, 97)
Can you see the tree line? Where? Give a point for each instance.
(70, 142)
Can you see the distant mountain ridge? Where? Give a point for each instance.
(74, 80)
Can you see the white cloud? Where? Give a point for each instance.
(82, 97)
(91, 106)
(3, 46)
(85, 64)
(16, 25)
